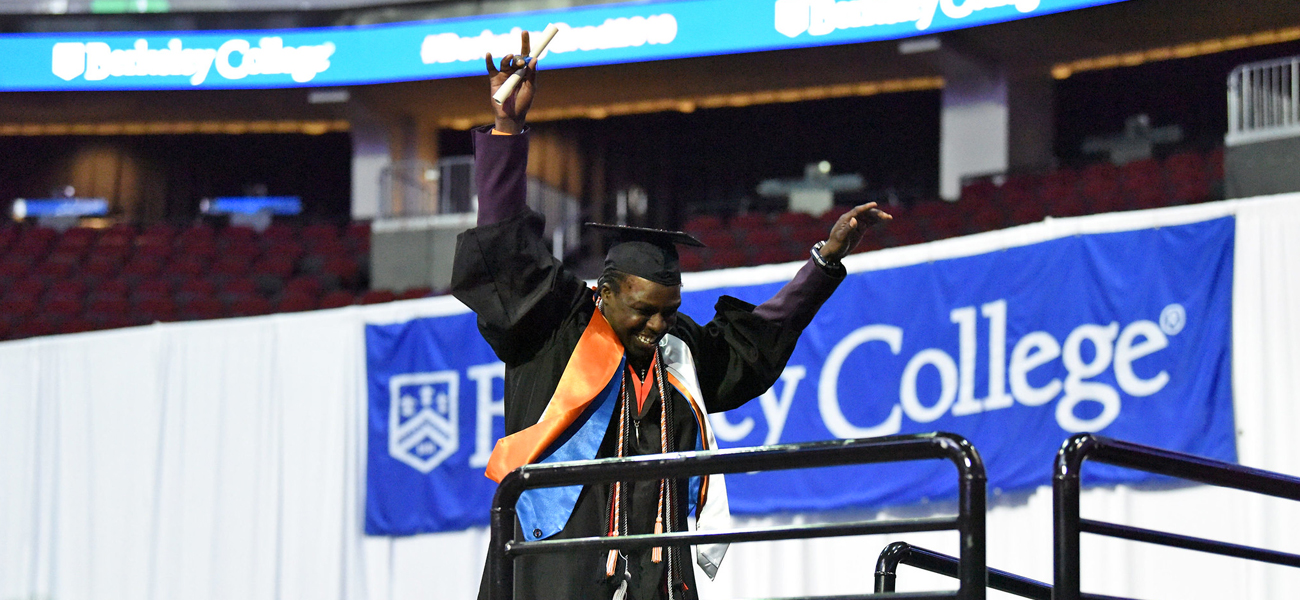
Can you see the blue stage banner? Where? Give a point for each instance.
(435, 390)
(1124, 334)
(600, 34)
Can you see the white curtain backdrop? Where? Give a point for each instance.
(222, 460)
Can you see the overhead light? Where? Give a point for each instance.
(1201, 48)
(331, 96)
(929, 43)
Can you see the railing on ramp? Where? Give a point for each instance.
(1065, 498)
(969, 522)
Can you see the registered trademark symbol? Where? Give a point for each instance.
(1172, 319)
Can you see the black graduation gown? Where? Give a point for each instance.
(532, 311)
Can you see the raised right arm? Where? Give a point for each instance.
(503, 269)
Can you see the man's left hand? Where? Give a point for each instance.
(849, 229)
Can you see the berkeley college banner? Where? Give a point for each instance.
(1125, 334)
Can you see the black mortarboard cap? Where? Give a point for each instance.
(647, 253)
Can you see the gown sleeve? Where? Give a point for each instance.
(503, 270)
(744, 349)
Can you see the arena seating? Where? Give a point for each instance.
(85, 279)
(986, 204)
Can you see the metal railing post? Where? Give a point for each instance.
(973, 570)
(501, 568)
(1065, 517)
(887, 566)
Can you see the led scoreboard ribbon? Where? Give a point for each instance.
(592, 35)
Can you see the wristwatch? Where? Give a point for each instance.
(835, 268)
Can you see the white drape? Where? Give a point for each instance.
(219, 460)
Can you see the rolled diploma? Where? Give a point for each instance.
(512, 82)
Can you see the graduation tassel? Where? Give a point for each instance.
(657, 555)
(611, 564)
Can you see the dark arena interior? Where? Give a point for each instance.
(232, 362)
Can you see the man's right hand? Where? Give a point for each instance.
(511, 113)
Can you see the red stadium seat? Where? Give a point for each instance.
(749, 220)
(1214, 164)
(414, 293)
(336, 299)
(248, 306)
(190, 289)
(77, 237)
(717, 238)
(114, 288)
(358, 235)
(1060, 193)
(305, 284)
(202, 308)
(39, 325)
(702, 223)
(244, 286)
(1100, 188)
(17, 306)
(793, 220)
(723, 258)
(52, 271)
(104, 307)
(296, 302)
(13, 268)
(230, 266)
(318, 233)
(692, 260)
(1144, 184)
(345, 269)
(979, 192)
(772, 254)
(276, 266)
(904, 232)
(1030, 211)
(141, 267)
(62, 306)
(31, 286)
(809, 234)
(279, 232)
(376, 297)
(101, 267)
(185, 266)
(988, 218)
(290, 249)
(76, 324)
(66, 288)
(155, 308)
(763, 237)
(152, 288)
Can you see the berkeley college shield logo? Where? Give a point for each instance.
(422, 423)
(69, 60)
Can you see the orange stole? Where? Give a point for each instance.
(590, 368)
(699, 424)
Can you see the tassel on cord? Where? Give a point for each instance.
(611, 563)
(657, 555)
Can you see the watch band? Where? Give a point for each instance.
(831, 268)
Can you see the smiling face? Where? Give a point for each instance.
(640, 312)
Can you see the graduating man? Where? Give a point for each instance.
(614, 371)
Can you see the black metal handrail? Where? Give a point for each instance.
(936, 562)
(903, 553)
(969, 521)
(1065, 501)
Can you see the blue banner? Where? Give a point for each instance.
(590, 35)
(1125, 334)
